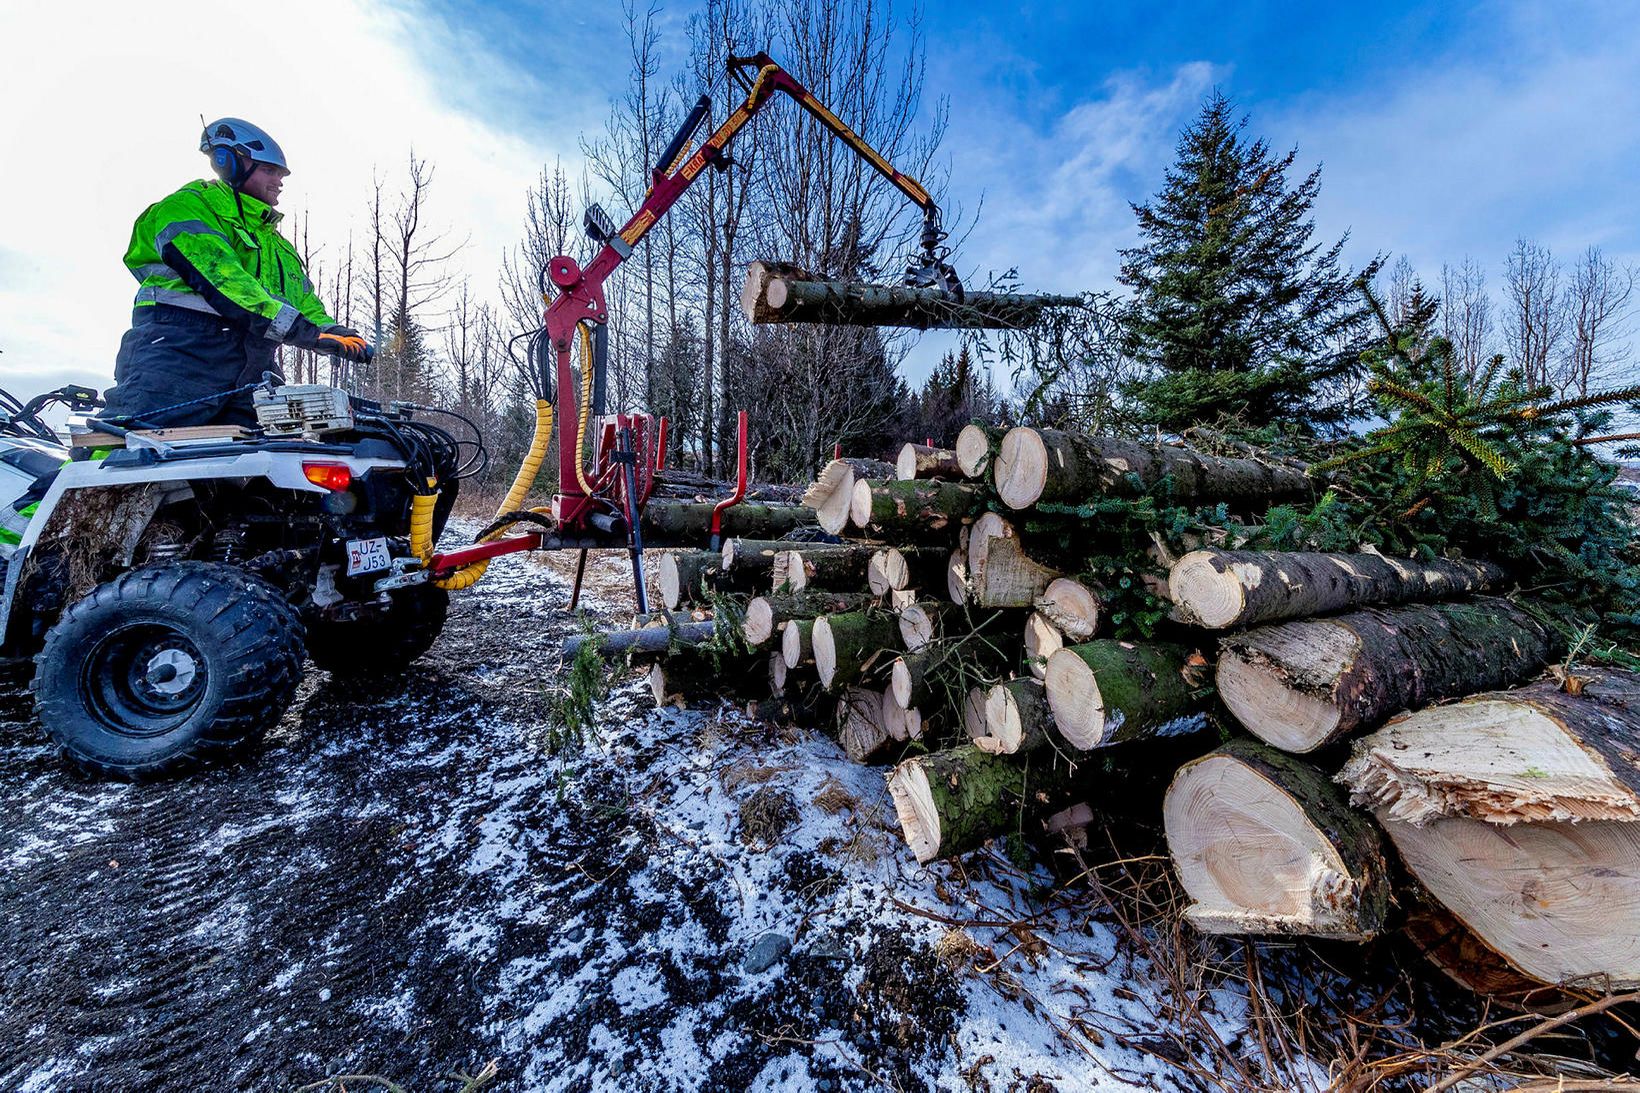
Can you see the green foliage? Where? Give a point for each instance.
(1237, 313)
(574, 708)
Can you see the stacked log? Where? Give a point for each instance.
(972, 634)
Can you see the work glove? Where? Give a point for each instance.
(335, 339)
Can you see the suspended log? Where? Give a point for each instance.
(765, 614)
(1224, 588)
(949, 802)
(688, 577)
(1108, 692)
(797, 642)
(895, 569)
(1558, 901)
(910, 510)
(1533, 754)
(922, 461)
(776, 296)
(1037, 465)
(1265, 844)
(1017, 718)
(841, 567)
(1072, 607)
(759, 274)
(849, 646)
(860, 726)
(1299, 685)
(975, 447)
(920, 623)
(832, 492)
(670, 523)
(1042, 640)
(645, 644)
(1000, 573)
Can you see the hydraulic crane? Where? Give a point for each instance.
(600, 504)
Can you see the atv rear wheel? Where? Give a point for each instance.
(385, 642)
(167, 666)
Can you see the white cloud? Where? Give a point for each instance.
(102, 118)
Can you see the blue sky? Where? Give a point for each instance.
(1444, 130)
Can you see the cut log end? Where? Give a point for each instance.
(919, 623)
(956, 576)
(759, 624)
(1074, 696)
(797, 642)
(1275, 712)
(825, 651)
(1042, 640)
(1252, 858)
(973, 450)
(914, 806)
(1021, 469)
(1213, 595)
(830, 496)
(887, 572)
(671, 583)
(1071, 606)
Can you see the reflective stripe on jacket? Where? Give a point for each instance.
(209, 249)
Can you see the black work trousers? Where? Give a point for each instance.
(172, 355)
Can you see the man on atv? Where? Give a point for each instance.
(221, 291)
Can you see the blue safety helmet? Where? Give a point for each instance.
(236, 147)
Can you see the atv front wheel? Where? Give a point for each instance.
(384, 642)
(167, 666)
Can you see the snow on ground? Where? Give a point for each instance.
(407, 882)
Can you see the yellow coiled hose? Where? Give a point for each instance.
(422, 504)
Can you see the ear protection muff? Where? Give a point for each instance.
(231, 165)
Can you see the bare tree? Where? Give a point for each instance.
(1466, 315)
(1597, 310)
(1537, 318)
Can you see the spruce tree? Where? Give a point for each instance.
(1236, 311)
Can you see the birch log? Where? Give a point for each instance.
(1264, 844)
(1299, 685)
(1037, 465)
(1528, 755)
(1108, 692)
(1225, 588)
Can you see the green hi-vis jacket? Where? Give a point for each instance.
(209, 249)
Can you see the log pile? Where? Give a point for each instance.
(970, 632)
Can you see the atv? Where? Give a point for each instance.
(169, 583)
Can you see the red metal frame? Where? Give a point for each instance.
(581, 291)
(740, 485)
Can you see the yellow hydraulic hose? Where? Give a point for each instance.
(422, 504)
(586, 409)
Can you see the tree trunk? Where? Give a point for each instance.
(950, 802)
(832, 493)
(682, 575)
(975, 446)
(920, 623)
(789, 561)
(766, 614)
(1558, 901)
(780, 297)
(921, 461)
(1017, 718)
(1072, 607)
(1529, 755)
(1220, 589)
(758, 276)
(1265, 844)
(673, 524)
(1000, 573)
(913, 510)
(847, 647)
(645, 644)
(860, 726)
(1299, 685)
(896, 569)
(753, 556)
(797, 642)
(1042, 640)
(841, 567)
(1469, 962)
(1108, 692)
(1037, 465)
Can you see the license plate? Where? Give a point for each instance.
(367, 556)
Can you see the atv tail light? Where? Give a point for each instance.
(332, 476)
